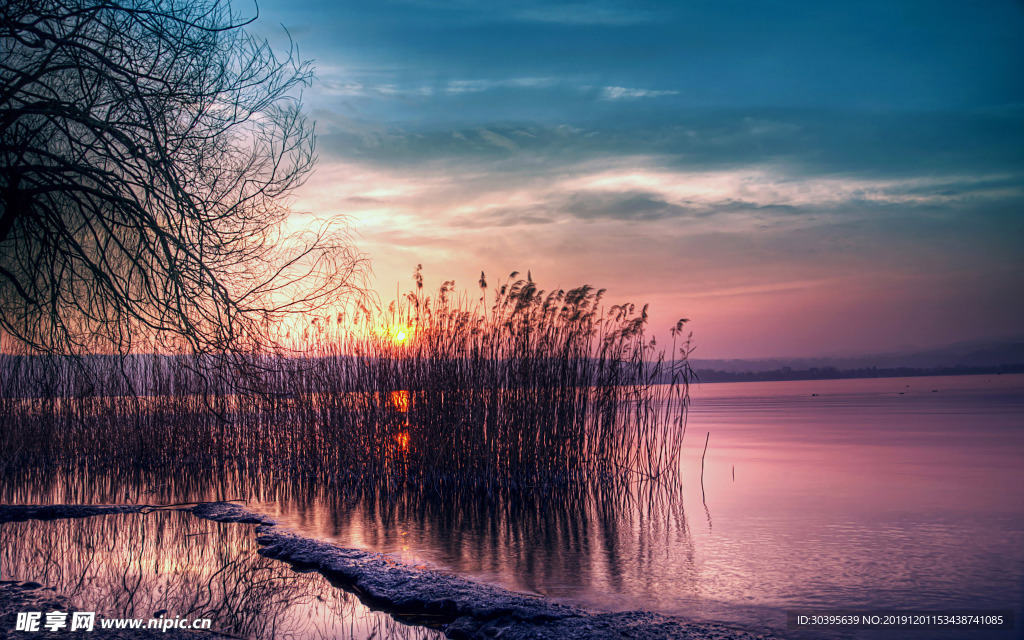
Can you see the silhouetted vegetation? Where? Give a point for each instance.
(147, 150)
(537, 390)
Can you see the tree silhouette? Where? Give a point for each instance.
(147, 152)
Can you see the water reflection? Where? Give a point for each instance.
(841, 493)
(135, 565)
(550, 543)
(547, 544)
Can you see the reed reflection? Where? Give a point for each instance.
(554, 542)
(136, 565)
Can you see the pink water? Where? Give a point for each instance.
(898, 493)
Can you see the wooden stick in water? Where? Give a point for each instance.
(702, 465)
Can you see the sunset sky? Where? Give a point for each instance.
(798, 178)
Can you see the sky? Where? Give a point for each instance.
(796, 178)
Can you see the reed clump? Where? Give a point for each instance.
(516, 389)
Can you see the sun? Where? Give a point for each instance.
(396, 335)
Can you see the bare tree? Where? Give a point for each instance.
(147, 152)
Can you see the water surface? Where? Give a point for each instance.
(175, 565)
(898, 493)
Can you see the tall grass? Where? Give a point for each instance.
(517, 389)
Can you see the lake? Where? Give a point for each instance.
(896, 493)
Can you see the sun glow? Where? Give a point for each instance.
(398, 335)
(400, 400)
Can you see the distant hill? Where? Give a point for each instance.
(957, 359)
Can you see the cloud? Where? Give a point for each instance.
(804, 143)
(515, 189)
(498, 140)
(791, 168)
(626, 93)
(332, 82)
(768, 186)
(714, 244)
(569, 13)
(582, 14)
(622, 206)
(456, 87)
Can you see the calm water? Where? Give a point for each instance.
(134, 565)
(901, 493)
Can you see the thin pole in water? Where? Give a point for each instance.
(702, 466)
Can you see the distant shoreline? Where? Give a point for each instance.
(833, 373)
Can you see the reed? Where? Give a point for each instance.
(517, 389)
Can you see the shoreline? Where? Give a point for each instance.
(461, 608)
